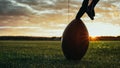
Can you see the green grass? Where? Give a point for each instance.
(48, 54)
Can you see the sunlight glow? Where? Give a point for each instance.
(93, 38)
(94, 29)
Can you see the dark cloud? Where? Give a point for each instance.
(30, 2)
(26, 7)
(36, 2)
(11, 7)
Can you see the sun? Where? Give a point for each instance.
(93, 38)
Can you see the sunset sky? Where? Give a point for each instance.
(50, 17)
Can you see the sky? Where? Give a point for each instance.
(50, 17)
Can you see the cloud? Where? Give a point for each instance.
(26, 7)
(51, 16)
(13, 7)
(37, 7)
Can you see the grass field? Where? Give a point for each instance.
(48, 54)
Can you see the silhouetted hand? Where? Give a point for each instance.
(89, 9)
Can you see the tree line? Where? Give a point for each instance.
(105, 38)
(30, 38)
